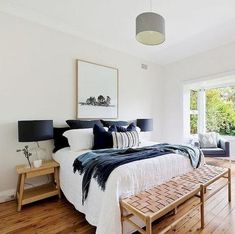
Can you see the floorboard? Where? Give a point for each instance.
(59, 216)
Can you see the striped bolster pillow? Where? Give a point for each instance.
(123, 140)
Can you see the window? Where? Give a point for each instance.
(220, 110)
(213, 110)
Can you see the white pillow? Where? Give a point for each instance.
(138, 129)
(80, 139)
(208, 140)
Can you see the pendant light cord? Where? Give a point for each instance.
(151, 5)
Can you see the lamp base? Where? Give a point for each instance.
(38, 155)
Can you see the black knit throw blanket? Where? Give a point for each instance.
(99, 164)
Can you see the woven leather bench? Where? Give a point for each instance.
(155, 202)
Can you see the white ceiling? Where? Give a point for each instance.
(191, 26)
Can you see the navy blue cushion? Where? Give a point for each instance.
(131, 127)
(59, 140)
(80, 124)
(113, 128)
(108, 123)
(121, 129)
(102, 138)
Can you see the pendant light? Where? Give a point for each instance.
(150, 28)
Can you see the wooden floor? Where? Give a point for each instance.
(58, 216)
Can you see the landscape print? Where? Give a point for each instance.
(99, 101)
(97, 91)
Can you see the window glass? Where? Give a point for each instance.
(193, 112)
(193, 124)
(193, 99)
(220, 110)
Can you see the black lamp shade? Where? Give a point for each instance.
(35, 130)
(145, 125)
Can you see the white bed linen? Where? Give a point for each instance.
(101, 208)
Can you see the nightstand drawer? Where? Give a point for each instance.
(40, 172)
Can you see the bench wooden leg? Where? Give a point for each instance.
(148, 226)
(175, 210)
(205, 189)
(229, 184)
(202, 200)
(122, 218)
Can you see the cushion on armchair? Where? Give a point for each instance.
(208, 140)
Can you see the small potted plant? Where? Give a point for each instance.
(26, 152)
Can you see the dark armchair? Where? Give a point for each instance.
(222, 150)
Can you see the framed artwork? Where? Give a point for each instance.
(97, 91)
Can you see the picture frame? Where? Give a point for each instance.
(97, 91)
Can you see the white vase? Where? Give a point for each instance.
(37, 163)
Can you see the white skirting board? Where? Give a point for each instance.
(7, 195)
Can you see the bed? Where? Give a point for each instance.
(101, 208)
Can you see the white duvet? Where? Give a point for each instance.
(102, 207)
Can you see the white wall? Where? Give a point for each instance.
(37, 74)
(211, 63)
(37, 81)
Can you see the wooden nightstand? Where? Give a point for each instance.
(26, 196)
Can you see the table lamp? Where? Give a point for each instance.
(146, 125)
(35, 131)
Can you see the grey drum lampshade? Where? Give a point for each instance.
(35, 130)
(145, 125)
(150, 28)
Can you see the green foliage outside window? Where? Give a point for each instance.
(220, 111)
(193, 107)
(193, 99)
(193, 123)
